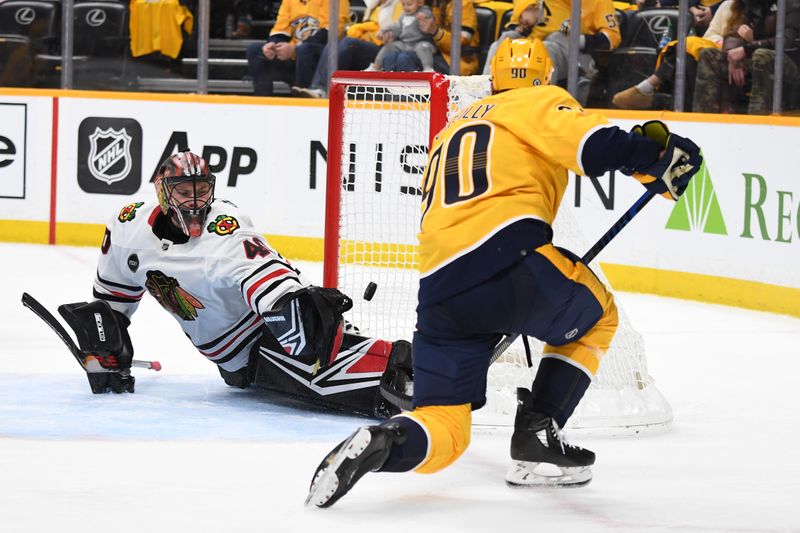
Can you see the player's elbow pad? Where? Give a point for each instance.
(614, 149)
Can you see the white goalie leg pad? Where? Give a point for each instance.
(525, 474)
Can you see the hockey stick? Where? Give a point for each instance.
(587, 258)
(404, 401)
(39, 310)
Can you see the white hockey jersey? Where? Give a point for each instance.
(217, 286)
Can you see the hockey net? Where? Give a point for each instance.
(380, 127)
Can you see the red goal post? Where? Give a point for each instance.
(380, 126)
(435, 83)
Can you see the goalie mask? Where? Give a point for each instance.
(520, 63)
(185, 190)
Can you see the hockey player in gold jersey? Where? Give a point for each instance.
(491, 190)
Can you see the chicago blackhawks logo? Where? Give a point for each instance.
(171, 296)
(128, 212)
(223, 225)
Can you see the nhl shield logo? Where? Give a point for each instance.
(109, 154)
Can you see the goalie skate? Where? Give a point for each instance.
(541, 454)
(364, 451)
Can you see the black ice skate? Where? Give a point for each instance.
(364, 451)
(541, 455)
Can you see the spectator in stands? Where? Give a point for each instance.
(520, 25)
(643, 95)
(703, 12)
(439, 29)
(599, 31)
(294, 46)
(231, 19)
(405, 35)
(721, 71)
(358, 49)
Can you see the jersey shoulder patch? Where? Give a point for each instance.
(223, 225)
(129, 212)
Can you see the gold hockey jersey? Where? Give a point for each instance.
(504, 159)
(597, 16)
(300, 19)
(155, 26)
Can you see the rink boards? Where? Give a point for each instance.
(70, 160)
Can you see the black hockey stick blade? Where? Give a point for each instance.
(587, 258)
(31, 303)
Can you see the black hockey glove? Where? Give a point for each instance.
(106, 348)
(320, 310)
(680, 160)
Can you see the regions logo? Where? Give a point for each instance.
(129, 212)
(109, 155)
(171, 296)
(698, 208)
(223, 225)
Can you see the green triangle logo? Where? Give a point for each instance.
(698, 208)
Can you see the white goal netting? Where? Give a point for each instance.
(385, 127)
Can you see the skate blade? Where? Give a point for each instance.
(326, 480)
(524, 474)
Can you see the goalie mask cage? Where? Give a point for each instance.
(379, 130)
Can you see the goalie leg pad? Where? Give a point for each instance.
(397, 382)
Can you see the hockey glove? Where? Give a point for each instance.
(106, 348)
(320, 310)
(680, 160)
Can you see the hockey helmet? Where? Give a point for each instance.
(185, 190)
(520, 63)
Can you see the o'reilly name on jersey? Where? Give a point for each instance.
(109, 155)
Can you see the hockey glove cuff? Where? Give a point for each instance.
(680, 160)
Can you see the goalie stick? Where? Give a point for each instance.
(404, 402)
(39, 310)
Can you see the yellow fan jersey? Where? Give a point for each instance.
(156, 27)
(300, 19)
(597, 16)
(502, 160)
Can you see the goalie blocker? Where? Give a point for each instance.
(307, 353)
(106, 351)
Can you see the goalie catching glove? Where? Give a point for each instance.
(680, 159)
(106, 349)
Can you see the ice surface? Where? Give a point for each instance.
(187, 453)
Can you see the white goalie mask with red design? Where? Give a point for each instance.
(185, 190)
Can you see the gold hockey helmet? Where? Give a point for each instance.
(520, 63)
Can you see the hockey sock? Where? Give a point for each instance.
(557, 389)
(412, 452)
(645, 87)
(436, 436)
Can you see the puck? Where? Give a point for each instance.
(369, 292)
